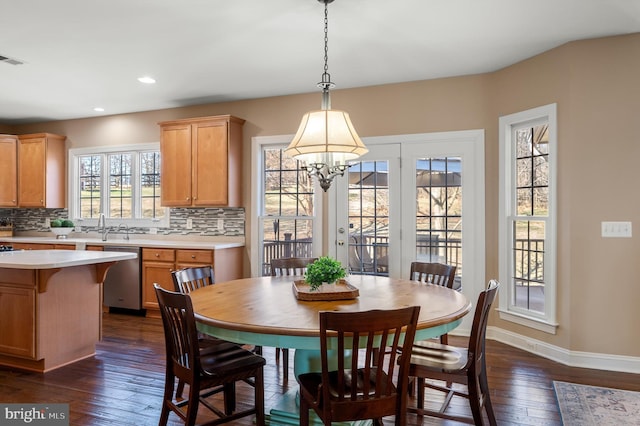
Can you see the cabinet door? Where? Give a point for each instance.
(31, 172)
(175, 146)
(210, 178)
(8, 171)
(17, 314)
(155, 272)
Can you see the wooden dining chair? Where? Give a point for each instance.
(188, 279)
(210, 371)
(434, 361)
(434, 273)
(185, 281)
(352, 386)
(288, 266)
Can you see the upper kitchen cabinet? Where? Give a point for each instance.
(201, 162)
(8, 171)
(41, 170)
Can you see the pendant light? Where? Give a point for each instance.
(326, 140)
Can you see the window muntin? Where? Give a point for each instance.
(531, 203)
(120, 188)
(90, 187)
(439, 211)
(150, 185)
(368, 213)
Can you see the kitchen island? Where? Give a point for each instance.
(51, 306)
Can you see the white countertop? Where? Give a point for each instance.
(47, 259)
(81, 243)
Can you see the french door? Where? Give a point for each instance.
(413, 197)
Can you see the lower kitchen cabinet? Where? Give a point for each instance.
(158, 263)
(18, 307)
(32, 246)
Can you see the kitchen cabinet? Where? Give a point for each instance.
(33, 246)
(8, 171)
(201, 162)
(158, 263)
(18, 307)
(41, 170)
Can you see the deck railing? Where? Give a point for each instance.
(369, 254)
(288, 247)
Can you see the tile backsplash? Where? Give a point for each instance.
(205, 221)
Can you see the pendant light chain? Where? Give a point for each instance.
(326, 83)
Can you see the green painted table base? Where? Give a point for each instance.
(287, 412)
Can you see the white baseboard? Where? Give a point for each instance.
(625, 364)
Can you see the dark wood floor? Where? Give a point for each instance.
(123, 383)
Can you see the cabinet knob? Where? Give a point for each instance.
(188, 198)
(157, 254)
(193, 256)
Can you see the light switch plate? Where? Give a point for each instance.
(616, 229)
(220, 225)
(189, 223)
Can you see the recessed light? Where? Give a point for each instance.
(98, 109)
(146, 80)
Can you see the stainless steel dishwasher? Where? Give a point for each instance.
(122, 285)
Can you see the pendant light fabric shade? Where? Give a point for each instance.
(326, 136)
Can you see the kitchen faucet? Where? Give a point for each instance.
(102, 226)
(126, 229)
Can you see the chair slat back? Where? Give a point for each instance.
(433, 273)
(181, 336)
(290, 266)
(480, 320)
(361, 383)
(188, 279)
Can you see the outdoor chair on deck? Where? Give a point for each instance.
(467, 366)
(288, 266)
(208, 370)
(354, 386)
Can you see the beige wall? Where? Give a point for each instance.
(594, 82)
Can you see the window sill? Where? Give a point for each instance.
(530, 322)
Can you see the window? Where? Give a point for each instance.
(528, 145)
(121, 182)
(288, 201)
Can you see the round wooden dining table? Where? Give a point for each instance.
(265, 311)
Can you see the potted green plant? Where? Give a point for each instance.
(324, 270)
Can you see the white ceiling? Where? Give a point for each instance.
(79, 54)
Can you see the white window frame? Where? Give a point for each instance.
(546, 321)
(258, 145)
(74, 188)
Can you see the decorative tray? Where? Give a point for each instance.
(342, 290)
